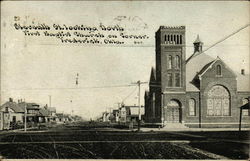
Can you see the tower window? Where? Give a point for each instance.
(177, 79)
(165, 39)
(171, 39)
(177, 61)
(218, 70)
(177, 41)
(170, 62)
(170, 79)
(174, 39)
(180, 39)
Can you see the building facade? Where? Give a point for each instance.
(199, 91)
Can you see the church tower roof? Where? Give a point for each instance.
(197, 40)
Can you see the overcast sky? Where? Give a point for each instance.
(33, 68)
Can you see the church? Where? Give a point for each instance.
(198, 91)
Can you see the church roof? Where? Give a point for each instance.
(200, 63)
(193, 67)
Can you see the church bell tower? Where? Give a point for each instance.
(170, 58)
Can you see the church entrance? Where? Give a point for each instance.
(172, 112)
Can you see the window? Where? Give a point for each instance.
(192, 107)
(245, 112)
(170, 62)
(153, 105)
(165, 39)
(177, 61)
(218, 70)
(170, 79)
(218, 101)
(177, 79)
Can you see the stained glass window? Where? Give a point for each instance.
(218, 101)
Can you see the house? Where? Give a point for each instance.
(15, 112)
(115, 116)
(133, 113)
(122, 114)
(44, 115)
(200, 91)
(32, 111)
(106, 117)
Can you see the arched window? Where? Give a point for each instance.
(170, 79)
(245, 112)
(170, 62)
(218, 101)
(180, 39)
(218, 70)
(174, 39)
(192, 107)
(177, 80)
(171, 39)
(177, 61)
(165, 39)
(177, 41)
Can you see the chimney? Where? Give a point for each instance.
(243, 71)
(10, 99)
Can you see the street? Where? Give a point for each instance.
(79, 142)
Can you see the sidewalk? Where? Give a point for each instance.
(193, 129)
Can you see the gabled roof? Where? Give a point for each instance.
(14, 106)
(29, 106)
(44, 112)
(193, 67)
(199, 64)
(52, 109)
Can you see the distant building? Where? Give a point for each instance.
(200, 91)
(133, 113)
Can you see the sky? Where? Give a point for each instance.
(34, 68)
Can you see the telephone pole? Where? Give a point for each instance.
(139, 102)
(25, 116)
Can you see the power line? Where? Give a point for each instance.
(129, 94)
(223, 39)
(78, 88)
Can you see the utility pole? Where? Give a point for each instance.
(139, 102)
(50, 101)
(25, 116)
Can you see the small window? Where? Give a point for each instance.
(170, 62)
(218, 70)
(177, 80)
(177, 61)
(192, 107)
(170, 79)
